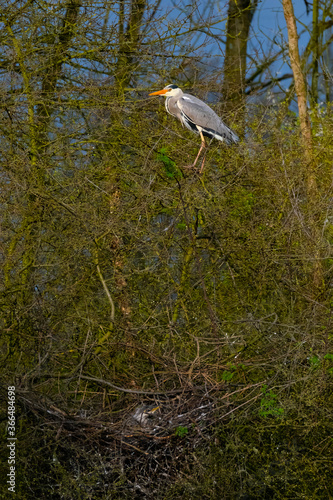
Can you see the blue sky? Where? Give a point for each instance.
(269, 25)
(269, 17)
(268, 33)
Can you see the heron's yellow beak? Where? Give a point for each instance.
(154, 409)
(160, 92)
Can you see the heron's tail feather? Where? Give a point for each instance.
(225, 135)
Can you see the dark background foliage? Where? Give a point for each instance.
(127, 279)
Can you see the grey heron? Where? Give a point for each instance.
(197, 117)
(143, 413)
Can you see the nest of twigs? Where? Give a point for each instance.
(144, 443)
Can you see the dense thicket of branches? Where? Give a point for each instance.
(128, 279)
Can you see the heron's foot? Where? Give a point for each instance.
(195, 170)
(203, 147)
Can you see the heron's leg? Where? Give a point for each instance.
(203, 145)
(197, 158)
(203, 163)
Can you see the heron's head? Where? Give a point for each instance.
(144, 412)
(168, 91)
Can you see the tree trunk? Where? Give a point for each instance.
(312, 190)
(300, 86)
(315, 51)
(240, 14)
(128, 43)
(51, 76)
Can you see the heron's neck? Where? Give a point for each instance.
(171, 106)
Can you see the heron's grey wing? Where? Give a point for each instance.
(200, 115)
